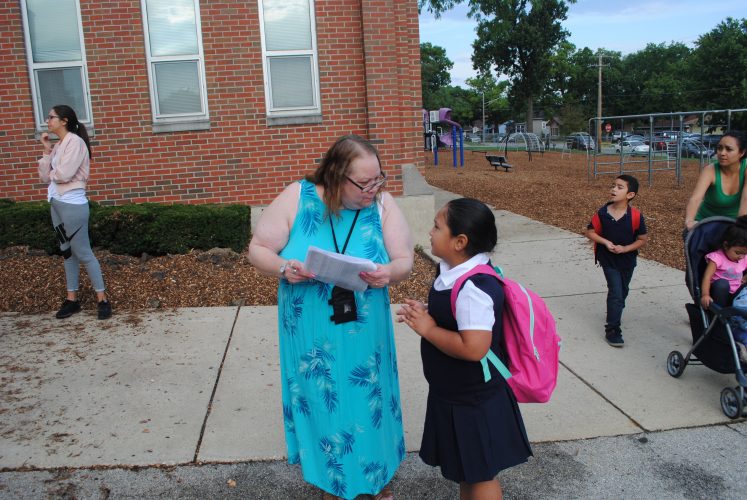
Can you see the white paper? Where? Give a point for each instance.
(338, 269)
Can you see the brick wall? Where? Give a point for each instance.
(370, 85)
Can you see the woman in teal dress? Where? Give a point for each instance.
(341, 403)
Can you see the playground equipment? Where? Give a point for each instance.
(669, 156)
(433, 134)
(524, 140)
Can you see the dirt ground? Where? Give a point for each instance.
(552, 188)
(561, 190)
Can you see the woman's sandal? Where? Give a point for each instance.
(385, 494)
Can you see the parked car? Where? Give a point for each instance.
(580, 140)
(711, 140)
(669, 135)
(620, 134)
(474, 138)
(636, 137)
(692, 148)
(632, 148)
(661, 143)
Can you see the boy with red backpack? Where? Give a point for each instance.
(618, 230)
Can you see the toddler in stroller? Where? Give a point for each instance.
(724, 277)
(713, 337)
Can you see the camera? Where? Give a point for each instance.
(343, 305)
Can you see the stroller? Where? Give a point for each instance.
(713, 340)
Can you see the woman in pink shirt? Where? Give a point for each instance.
(65, 166)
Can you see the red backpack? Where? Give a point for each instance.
(530, 336)
(596, 223)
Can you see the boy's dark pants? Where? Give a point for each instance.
(618, 281)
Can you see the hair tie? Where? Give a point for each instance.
(76, 125)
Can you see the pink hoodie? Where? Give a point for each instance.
(72, 165)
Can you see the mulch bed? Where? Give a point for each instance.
(551, 188)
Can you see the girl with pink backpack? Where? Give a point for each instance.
(473, 426)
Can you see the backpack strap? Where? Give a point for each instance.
(459, 283)
(495, 361)
(490, 356)
(635, 217)
(596, 223)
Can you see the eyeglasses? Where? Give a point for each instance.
(374, 184)
(52, 117)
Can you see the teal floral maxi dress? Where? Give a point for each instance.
(341, 403)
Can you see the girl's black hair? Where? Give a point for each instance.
(72, 124)
(736, 234)
(476, 221)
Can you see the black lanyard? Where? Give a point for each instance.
(334, 238)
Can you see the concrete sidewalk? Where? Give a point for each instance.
(195, 386)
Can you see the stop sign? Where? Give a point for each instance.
(608, 128)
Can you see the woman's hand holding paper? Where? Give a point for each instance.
(377, 279)
(295, 272)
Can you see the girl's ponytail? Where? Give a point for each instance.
(72, 124)
(81, 131)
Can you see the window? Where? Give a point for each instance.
(176, 69)
(56, 57)
(289, 57)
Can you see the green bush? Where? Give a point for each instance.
(28, 223)
(133, 229)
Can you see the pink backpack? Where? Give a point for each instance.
(531, 340)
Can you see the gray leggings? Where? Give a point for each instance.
(70, 223)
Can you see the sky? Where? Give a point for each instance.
(625, 27)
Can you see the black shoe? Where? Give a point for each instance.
(105, 309)
(614, 338)
(69, 307)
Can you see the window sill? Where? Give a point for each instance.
(181, 126)
(293, 120)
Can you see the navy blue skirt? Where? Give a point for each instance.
(474, 440)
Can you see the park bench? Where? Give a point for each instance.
(498, 161)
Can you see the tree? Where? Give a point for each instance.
(561, 67)
(654, 80)
(434, 71)
(573, 78)
(437, 91)
(515, 38)
(495, 98)
(462, 102)
(718, 68)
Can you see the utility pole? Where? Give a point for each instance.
(483, 117)
(598, 121)
(599, 106)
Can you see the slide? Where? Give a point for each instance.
(444, 117)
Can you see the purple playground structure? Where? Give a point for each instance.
(448, 133)
(444, 117)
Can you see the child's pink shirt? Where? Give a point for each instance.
(727, 269)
